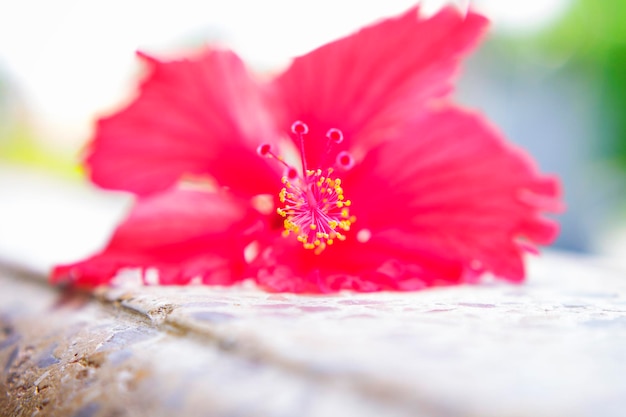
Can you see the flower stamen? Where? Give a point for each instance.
(315, 209)
(314, 206)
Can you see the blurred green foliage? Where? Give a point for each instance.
(593, 33)
(20, 146)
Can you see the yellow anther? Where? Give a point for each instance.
(314, 221)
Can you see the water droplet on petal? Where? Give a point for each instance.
(364, 235)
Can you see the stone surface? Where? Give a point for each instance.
(552, 347)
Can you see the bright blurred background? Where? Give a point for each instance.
(551, 75)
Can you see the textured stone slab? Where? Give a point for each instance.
(67, 355)
(552, 347)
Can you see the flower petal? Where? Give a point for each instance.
(452, 188)
(183, 234)
(203, 115)
(440, 205)
(378, 265)
(364, 84)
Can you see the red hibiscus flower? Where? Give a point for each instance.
(350, 170)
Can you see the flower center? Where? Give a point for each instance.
(315, 209)
(314, 206)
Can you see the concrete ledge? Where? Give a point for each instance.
(553, 347)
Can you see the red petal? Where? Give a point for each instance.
(365, 83)
(203, 115)
(182, 234)
(443, 204)
(452, 188)
(376, 266)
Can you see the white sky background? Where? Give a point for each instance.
(71, 60)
